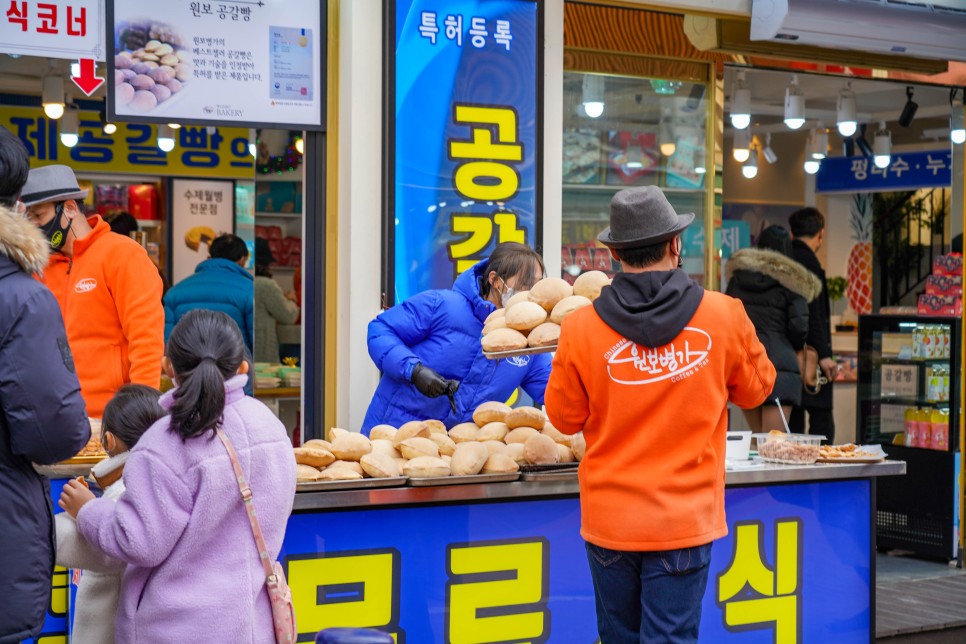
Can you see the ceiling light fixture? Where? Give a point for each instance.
(741, 104)
(819, 142)
(750, 167)
(768, 152)
(300, 145)
(165, 138)
(812, 166)
(174, 126)
(741, 145)
(794, 104)
(108, 127)
(882, 146)
(53, 97)
(68, 127)
(957, 120)
(593, 95)
(909, 109)
(666, 140)
(845, 111)
(253, 142)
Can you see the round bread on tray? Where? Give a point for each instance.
(547, 292)
(504, 340)
(545, 335)
(589, 284)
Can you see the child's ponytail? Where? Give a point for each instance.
(205, 349)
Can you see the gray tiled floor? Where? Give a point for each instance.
(914, 595)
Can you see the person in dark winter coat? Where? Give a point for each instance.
(42, 415)
(775, 290)
(808, 234)
(428, 347)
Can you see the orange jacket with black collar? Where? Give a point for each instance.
(110, 296)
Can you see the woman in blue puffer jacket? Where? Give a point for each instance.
(428, 347)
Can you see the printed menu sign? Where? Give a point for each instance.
(201, 211)
(256, 63)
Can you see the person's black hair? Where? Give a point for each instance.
(263, 257)
(205, 349)
(643, 256)
(775, 238)
(124, 223)
(511, 259)
(130, 412)
(228, 246)
(806, 222)
(14, 167)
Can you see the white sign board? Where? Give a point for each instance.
(901, 381)
(200, 211)
(256, 63)
(53, 28)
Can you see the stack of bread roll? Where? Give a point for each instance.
(498, 441)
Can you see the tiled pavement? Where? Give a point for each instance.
(913, 596)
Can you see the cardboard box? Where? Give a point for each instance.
(940, 305)
(951, 285)
(947, 264)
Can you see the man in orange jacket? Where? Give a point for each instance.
(108, 289)
(646, 373)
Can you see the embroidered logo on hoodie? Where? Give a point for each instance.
(85, 285)
(628, 363)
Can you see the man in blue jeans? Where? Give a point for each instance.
(646, 373)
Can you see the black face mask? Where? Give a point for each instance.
(55, 233)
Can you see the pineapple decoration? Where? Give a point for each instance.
(860, 257)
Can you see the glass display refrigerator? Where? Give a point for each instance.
(908, 375)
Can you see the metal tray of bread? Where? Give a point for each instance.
(529, 351)
(550, 467)
(463, 480)
(356, 484)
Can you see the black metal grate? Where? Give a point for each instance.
(898, 529)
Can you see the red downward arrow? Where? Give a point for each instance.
(88, 80)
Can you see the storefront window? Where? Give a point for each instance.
(621, 132)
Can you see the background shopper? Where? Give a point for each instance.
(272, 306)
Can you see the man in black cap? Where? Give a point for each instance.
(646, 373)
(42, 417)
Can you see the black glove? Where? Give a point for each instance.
(451, 390)
(431, 384)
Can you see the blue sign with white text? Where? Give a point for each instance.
(465, 135)
(906, 171)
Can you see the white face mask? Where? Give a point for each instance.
(506, 295)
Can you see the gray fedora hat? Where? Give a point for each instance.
(51, 183)
(641, 217)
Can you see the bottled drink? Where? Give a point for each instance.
(939, 430)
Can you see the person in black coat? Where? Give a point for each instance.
(775, 290)
(808, 233)
(42, 414)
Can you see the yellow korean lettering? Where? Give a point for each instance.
(483, 145)
(504, 118)
(479, 231)
(52, 638)
(506, 225)
(349, 589)
(60, 589)
(486, 181)
(498, 592)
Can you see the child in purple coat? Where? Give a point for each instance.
(193, 570)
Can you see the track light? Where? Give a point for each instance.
(741, 104)
(253, 142)
(108, 127)
(768, 153)
(812, 166)
(165, 138)
(53, 97)
(68, 128)
(909, 109)
(819, 143)
(957, 122)
(794, 104)
(666, 140)
(741, 145)
(174, 126)
(845, 111)
(300, 145)
(750, 167)
(593, 95)
(882, 146)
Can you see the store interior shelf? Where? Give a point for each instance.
(889, 360)
(616, 187)
(905, 400)
(295, 175)
(279, 215)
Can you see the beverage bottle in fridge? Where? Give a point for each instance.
(910, 423)
(939, 430)
(917, 343)
(927, 350)
(947, 342)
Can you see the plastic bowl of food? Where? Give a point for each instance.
(791, 449)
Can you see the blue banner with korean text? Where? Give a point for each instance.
(906, 171)
(464, 176)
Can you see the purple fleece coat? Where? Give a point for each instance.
(193, 572)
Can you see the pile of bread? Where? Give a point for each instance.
(532, 318)
(499, 441)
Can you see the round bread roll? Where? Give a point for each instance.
(464, 432)
(494, 447)
(400, 462)
(435, 427)
(556, 434)
(504, 340)
(567, 306)
(499, 313)
(579, 446)
(306, 473)
(318, 443)
(380, 466)
(525, 316)
(444, 443)
(312, 456)
(352, 466)
(541, 450)
(494, 324)
(564, 454)
(548, 291)
(412, 429)
(500, 464)
(525, 417)
(468, 459)
(492, 432)
(382, 431)
(426, 467)
(339, 474)
(385, 447)
(490, 412)
(351, 447)
(517, 452)
(522, 296)
(335, 432)
(520, 435)
(545, 335)
(448, 459)
(415, 447)
(590, 283)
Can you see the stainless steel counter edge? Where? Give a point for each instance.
(768, 474)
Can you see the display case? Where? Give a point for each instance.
(908, 371)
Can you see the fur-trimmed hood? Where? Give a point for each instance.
(23, 242)
(784, 270)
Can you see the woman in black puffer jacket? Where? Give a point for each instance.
(775, 290)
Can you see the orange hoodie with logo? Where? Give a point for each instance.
(653, 409)
(110, 296)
